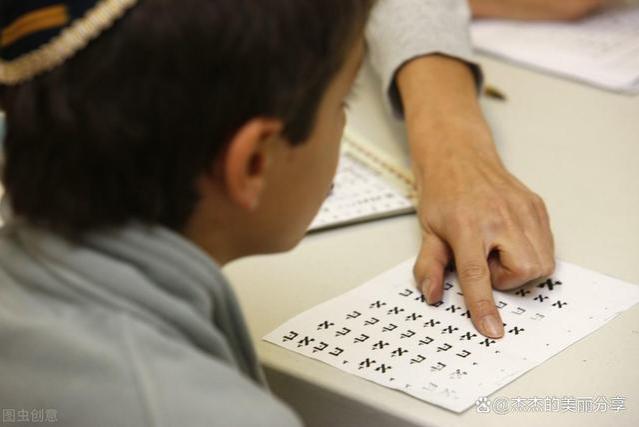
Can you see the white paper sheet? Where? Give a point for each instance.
(602, 50)
(384, 331)
(359, 193)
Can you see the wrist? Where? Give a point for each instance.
(441, 144)
(485, 8)
(434, 86)
(445, 125)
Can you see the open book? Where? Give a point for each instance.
(602, 50)
(367, 186)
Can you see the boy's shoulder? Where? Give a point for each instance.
(113, 369)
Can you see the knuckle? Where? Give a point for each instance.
(472, 272)
(538, 205)
(496, 223)
(528, 270)
(533, 204)
(505, 286)
(538, 201)
(501, 214)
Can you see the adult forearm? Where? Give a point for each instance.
(442, 113)
(535, 9)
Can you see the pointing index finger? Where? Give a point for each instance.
(474, 279)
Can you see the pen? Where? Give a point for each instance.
(494, 93)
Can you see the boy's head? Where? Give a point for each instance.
(217, 118)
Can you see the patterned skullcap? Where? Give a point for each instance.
(38, 35)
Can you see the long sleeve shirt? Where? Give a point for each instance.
(401, 30)
(134, 327)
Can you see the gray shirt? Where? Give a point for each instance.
(401, 30)
(131, 328)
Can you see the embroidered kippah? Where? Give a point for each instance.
(38, 35)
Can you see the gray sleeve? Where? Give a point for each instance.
(94, 370)
(401, 30)
(186, 387)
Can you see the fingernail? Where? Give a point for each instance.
(492, 326)
(426, 289)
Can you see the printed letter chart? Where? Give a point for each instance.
(384, 331)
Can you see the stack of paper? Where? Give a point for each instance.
(602, 50)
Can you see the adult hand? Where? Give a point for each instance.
(472, 210)
(536, 9)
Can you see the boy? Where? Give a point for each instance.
(149, 142)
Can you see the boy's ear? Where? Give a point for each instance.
(246, 160)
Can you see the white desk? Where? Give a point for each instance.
(578, 147)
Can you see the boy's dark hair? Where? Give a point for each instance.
(122, 130)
